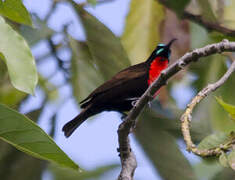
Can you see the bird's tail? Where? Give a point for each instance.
(70, 127)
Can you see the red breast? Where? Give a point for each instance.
(158, 64)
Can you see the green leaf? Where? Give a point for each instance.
(16, 11)
(40, 32)
(162, 149)
(231, 159)
(19, 131)
(18, 58)
(106, 49)
(92, 2)
(225, 174)
(207, 170)
(227, 107)
(214, 140)
(142, 30)
(84, 76)
(62, 174)
(223, 160)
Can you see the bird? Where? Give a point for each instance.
(123, 89)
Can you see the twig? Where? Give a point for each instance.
(187, 116)
(128, 124)
(210, 26)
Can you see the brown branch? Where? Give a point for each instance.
(126, 155)
(210, 26)
(187, 116)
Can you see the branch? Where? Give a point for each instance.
(187, 116)
(125, 128)
(208, 24)
(203, 22)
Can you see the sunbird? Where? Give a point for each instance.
(123, 89)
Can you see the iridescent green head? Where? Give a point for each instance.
(164, 49)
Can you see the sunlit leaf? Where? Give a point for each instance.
(85, 77)
(16, 11)
(231, 159)
(229, 14)
(62, 174)
(22, 133)
(214, 140)
(142, 30)
(106, 49)
(18, 58)
(227, 107)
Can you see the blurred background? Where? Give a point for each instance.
(77, 49)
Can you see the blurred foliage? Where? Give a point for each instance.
(16, 11)
(61, 174)
(101, 55)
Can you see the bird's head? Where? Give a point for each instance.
(163, 50)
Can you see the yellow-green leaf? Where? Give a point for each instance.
(227, 107)
(142, 30)
(18, 58)
(16, 11)
(19, 131)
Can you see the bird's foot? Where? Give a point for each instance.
(133, 100)
(123, 116)
(123, 151)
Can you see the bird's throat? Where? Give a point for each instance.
(157, 65)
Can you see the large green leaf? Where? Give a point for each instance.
(62, 174)
(18, 58)
(15, 10)
(105, 47)
(85, 77)
(142, 30)
(227, 107)
(25, 135)
(162, 149)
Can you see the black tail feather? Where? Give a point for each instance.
(70, 127)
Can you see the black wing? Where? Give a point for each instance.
(122, 77)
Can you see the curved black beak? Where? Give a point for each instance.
(170, 43)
